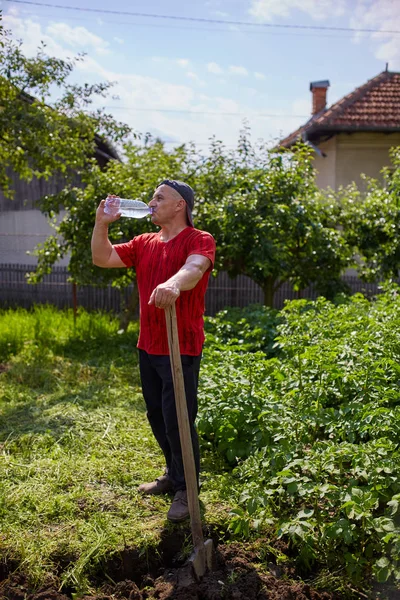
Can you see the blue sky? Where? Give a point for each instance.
(166, 70)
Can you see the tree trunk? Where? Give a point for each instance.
(268, 289)
(129, 308)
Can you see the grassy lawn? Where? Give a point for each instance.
(304, 406)
(75, 444)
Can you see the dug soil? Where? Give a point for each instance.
(236, 575)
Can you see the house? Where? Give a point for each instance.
(354, 135)
(22, 224)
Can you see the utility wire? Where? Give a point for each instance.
(178, 143)
(324, 35)
(202, 20)
(204, 112)
(185, 27)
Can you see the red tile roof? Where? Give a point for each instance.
(374, 106)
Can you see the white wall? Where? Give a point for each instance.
(350, 155)
(22, 230)
(362, 153)
(326, 166)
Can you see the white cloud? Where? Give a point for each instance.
(258, 75)
(381, 15)
(119, 40)
(181, 62)
(77, 37)
(55, 35)
(302, 106)
(195, 78)
(220, 13)
(199, 124)
(32, 35)
(214, 68)
(268, 10)
(196, 121)
(362, 14)
(235, 70)
(227, 104)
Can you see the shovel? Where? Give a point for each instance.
(201, 559)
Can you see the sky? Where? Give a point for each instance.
(190, 80)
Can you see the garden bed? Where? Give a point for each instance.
(236, 576)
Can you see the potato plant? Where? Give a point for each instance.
(313, 432)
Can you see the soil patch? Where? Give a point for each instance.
(235, 577)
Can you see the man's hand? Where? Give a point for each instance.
(165, 295)
(103, 253)
(102, 218)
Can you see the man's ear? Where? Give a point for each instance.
(181, 204)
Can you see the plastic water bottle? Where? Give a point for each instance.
(135, 209)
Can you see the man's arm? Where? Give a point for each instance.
(103, 253)
(188, 276)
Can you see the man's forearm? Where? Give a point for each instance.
(187, 277)
(101, 245)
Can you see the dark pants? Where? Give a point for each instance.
(158, 392)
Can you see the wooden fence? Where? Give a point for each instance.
(222, 291)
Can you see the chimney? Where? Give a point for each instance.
(318, 89)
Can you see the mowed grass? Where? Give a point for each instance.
(74, 446)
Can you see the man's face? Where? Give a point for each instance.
(167, 204)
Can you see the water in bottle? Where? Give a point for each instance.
(135, 209)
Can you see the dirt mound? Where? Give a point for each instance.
(235, 577)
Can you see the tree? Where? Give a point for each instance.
(136, 177)
(371, 223)
(41, 137)
(263, 209)
(269, 220)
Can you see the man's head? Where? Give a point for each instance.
(180, 198)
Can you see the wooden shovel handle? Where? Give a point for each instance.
(184, 429)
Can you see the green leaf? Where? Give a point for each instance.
(382, 569)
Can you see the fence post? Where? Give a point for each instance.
(74, 302)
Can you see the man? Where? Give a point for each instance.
(172, 266)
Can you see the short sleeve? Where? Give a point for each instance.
(127, 252)
(204, 244)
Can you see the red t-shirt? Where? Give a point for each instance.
(155, 262)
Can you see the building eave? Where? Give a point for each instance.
(314, 133)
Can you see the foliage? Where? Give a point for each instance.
(371, 223)
(250, 329)
(137, 177)
(311, 432)
(314, 433)
(40, 137)
(263, 208)
(268, 218)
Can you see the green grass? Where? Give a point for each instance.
(74, 446)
